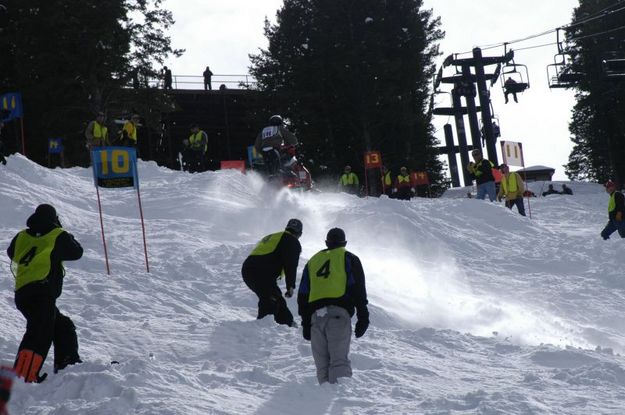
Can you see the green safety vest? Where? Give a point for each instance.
(268, 244)
(513, 183)
(327, 275)
(31, 259)
(196, 139)
(350, 178)
(612, 202)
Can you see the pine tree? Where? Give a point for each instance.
(598, 125)
(353, 76)
(72, 58)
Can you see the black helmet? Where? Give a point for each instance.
(295, 226)
(335, 238)
(276, 120)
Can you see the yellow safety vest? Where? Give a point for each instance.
(99, 131)
(612, 202)
(478, 172)
(31, 259)
(388, 181)
(268, 244)
(347, 179)
(511, 180)
(196, 139)
(403, 179)
(131, 129)
(327, 275)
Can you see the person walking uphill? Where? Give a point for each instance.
(276, 254)
(332, 288)
(482, 172)
(616, 209)
(37, 254)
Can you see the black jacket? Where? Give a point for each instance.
(66, 248)
(354, 299)
(284, 257)
(619, 200)
(483, 172)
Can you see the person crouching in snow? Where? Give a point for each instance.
(332, 287)
(275, 254)
(37, 254)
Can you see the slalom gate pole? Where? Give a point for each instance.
(145, 246)
(106, 256)
(529, 206)
(23, 137)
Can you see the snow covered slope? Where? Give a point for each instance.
(474, 309)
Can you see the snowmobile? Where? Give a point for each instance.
(292, 173)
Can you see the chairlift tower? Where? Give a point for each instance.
(471, 82)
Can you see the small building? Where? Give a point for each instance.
(536, 173)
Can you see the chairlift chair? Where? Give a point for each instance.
(519, 74)
(560, 74)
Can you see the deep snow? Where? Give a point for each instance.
(474, 309)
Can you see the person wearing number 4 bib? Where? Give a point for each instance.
(37, 254)
(275, 255)
(332, 288)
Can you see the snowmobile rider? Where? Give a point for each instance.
(331, 289)
(274, 255)
(270, 140)
(616, 207)
(37, 254)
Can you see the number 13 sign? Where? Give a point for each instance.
(373, 160)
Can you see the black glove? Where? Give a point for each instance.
(306, 331)
(361, 327)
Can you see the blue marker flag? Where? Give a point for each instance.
(115, 167)
(11, 106)
(55, 145)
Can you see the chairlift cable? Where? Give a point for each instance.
(599, 15)
(598, 34)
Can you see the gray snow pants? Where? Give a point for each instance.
(330, 336)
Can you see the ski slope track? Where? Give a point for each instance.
(474, 309)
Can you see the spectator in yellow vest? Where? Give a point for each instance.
(96, 133)
(195, 152)
(349, 183)
(512, 189)
(387, 181)
(616, 207)
(404, 188)
(128, 136)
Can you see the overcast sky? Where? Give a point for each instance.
(222, 33)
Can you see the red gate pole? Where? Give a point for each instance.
(145, 245)
(106, 256)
